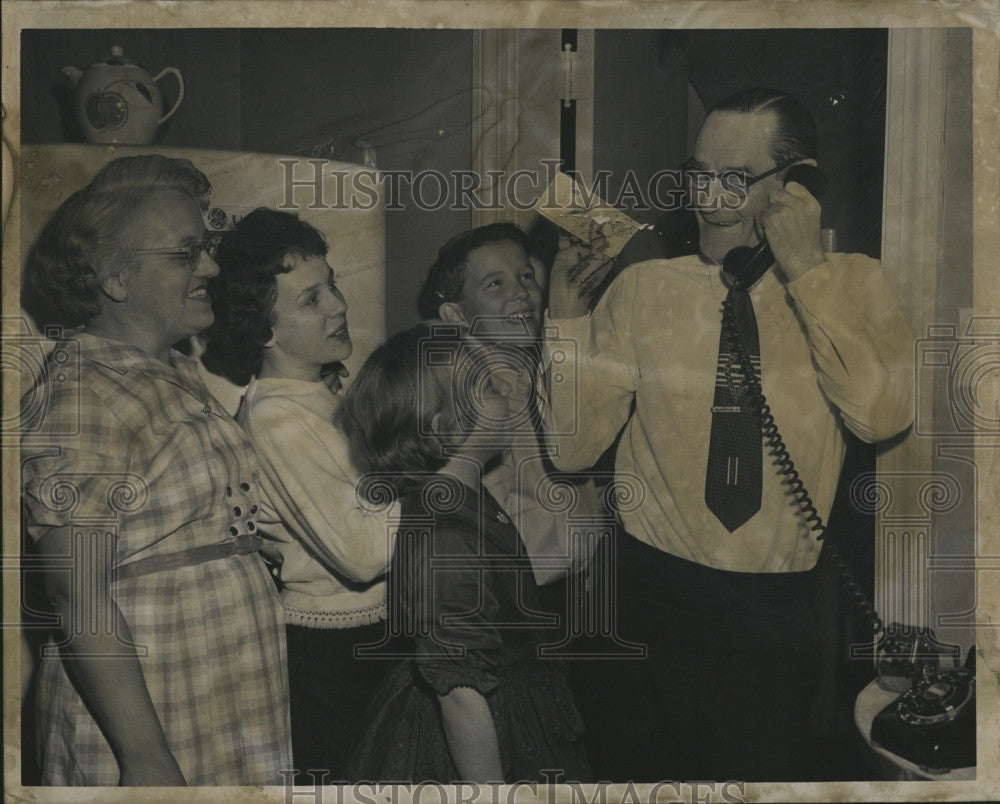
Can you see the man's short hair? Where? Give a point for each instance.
(92, 233)
(795, 138)
(446, 277)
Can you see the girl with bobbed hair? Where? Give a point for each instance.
(167, 668)
(250, 256)
(475, 703)
(280, 324)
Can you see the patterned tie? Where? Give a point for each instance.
(735, 452)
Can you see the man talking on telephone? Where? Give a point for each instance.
(715, 569)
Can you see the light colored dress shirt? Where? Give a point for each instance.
(834, 348)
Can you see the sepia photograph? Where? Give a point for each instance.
(501, 402)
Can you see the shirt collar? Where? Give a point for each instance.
(124, 358)
(287, 386)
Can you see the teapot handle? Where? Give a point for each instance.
(180, 90)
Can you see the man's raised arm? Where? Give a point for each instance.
(588, 368)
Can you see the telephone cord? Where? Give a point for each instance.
(754, 395)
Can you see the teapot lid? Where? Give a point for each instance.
(117, 58)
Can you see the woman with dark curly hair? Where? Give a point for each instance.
(169, 668)
(280, 322)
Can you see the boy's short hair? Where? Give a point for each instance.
(446, 277)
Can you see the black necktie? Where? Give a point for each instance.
(735, 452)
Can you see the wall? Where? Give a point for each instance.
(319, 91)
(640, 105)
(954, 594)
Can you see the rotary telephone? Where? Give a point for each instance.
(933, 722)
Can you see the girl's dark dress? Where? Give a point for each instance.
(462, 584)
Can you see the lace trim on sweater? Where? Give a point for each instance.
(335, 619)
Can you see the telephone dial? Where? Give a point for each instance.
(933, 722)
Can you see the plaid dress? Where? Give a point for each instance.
(132, 446)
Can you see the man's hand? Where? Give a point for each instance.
(791, 225)
(576, 273)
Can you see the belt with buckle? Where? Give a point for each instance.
(240, 545)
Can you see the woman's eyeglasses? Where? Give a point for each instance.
(192, 254)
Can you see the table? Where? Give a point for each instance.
(872, 700)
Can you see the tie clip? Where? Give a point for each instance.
(726, 409)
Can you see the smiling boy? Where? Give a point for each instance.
(484, 281)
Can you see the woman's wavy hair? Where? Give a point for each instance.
(250, 257)
(388, 412)
(93, 233)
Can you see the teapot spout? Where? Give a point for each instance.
(73, 74)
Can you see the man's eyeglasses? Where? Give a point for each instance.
(741, 178)
(192, 254)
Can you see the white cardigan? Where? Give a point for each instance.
(334, 552)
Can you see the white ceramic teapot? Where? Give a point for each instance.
(117, 101)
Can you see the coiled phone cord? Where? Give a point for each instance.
(754, 395)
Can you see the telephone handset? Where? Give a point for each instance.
(933, 723)
(748, 264)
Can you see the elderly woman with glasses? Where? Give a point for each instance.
(143, 499)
